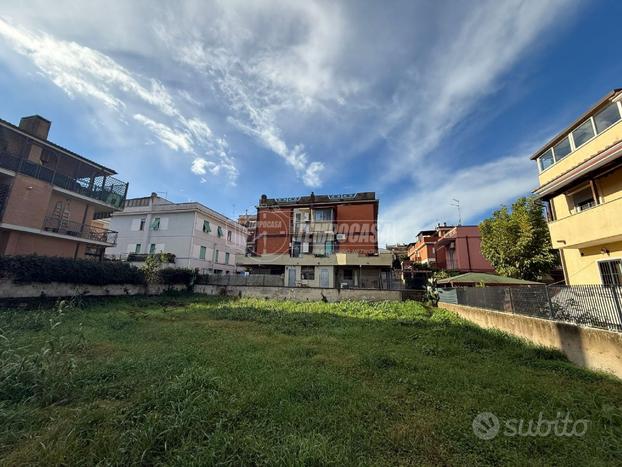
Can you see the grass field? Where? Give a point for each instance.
(193, 380)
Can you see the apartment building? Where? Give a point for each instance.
(50, 196)
(580, 175)
(250, 222)
(189, 234)
(424, 249)
(454, 248)
(320, 241)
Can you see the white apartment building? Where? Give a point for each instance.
(196, 235)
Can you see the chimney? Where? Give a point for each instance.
(263, 200)
(36, 126)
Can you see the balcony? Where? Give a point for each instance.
(75, 229)
(588, 227)
(102, 187)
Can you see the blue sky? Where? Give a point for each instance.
(222, 101)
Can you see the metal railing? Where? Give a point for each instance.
(103, 187)
(260, 280)
(76, 229)
(589, 305)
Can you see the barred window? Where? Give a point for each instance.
(611, 272)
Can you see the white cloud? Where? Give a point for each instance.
(87, 73)
(267, 76)
(478, 188)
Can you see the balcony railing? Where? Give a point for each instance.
(75, 229)
(103, 188)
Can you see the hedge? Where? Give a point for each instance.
(46, 269)
(170, 276)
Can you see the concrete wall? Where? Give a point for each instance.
(300, 294)
(592, 348)
(56, 289)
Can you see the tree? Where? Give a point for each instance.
(517, 242)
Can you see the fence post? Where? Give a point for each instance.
(616, 301)
(548, 299)
(263, 280)
(509, 289)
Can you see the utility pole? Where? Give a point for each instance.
(456, 204)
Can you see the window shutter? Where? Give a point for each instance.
(220, 234)
(135, 225)
(155, 225)
(206, 227)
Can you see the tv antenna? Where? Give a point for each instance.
(456, 204)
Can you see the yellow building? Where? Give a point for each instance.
(581, 184)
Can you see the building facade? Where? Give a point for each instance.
(189, 234)
(50, 197)
(250, 222)
(580, 175)
(454, 248)
(320, 241)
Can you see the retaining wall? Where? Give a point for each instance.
(9, 290)
(596, 349)
(299, 294)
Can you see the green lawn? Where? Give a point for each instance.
(192, 380)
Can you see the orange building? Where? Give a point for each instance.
(51, 198)
(320, 241)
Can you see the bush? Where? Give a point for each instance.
(172, 276)
(46, 269)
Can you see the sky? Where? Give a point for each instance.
(222, 101)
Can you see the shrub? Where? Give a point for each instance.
(34, 268)
(171, 276)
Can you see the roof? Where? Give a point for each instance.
(579, 120)
(477, 277)
(48, 143)
(318, 199)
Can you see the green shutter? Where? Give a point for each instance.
(152, 248)
(220, 234)
(155, 225)
(206, 227)
(202, 252)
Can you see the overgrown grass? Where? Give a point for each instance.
(191, 380)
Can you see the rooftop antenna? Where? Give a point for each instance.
(456, 204)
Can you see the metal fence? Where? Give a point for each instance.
(590, 305)
(261, 280)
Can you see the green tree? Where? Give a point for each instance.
(517, 242)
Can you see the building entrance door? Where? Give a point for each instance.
(291, 277)
(324, 278)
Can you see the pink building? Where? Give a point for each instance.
(462, 248)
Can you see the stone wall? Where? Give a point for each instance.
(300, 294)
(596, 349)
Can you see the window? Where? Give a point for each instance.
(152, 248)
(155, 225)
(142, 224)
(206, 227)
(307, 273)
(583, 133)
(546, 160)
(323, 215)
(227, 258)
(329, 249)
(562, 149)
(611, 272)
(583, 200)
(202, 252)
(607, 117)
(220, 233)
(348, 274)
(137, 248)
(229, 235)
(216, 255)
